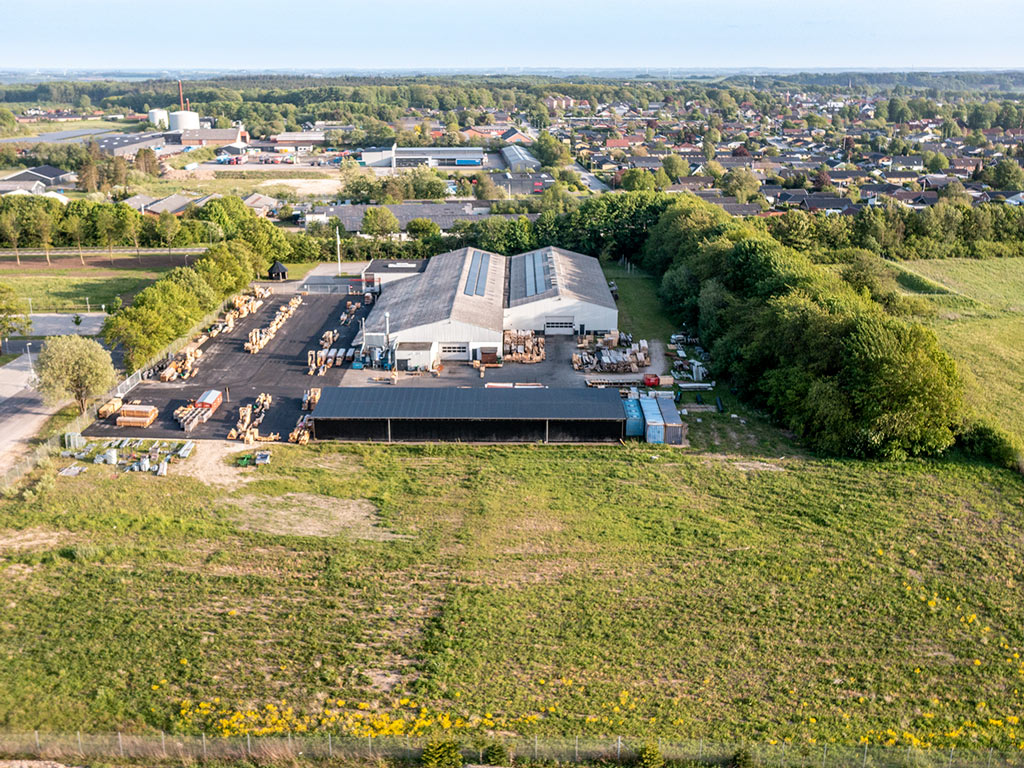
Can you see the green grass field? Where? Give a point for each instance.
(53, 290)
(980, 321)
(628, 590)
(639, 306)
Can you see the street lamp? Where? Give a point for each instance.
(31, 370)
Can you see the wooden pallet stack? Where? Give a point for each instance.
(522, 347)
(613, 360)
(135, 414)
(260, 337)
(328, 339)
(311, 398)
(301, 433)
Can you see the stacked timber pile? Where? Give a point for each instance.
(247, 428)
(110, 407)
(300, 434)
(311, 398)
(135, 414)
(522, 347)
(198, 411)
(184, 363)
(319, 360)
(351, 307)
(260, 337)
(328, 339)
(613, 360)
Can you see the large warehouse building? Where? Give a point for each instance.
(410, 157)
(452, 414)
(458, 306)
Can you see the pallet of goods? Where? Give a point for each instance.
(136, 415)
(522, 347)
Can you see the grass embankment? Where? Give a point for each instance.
(640, 310)
(624, 590)
(54, 290)
(979, 318)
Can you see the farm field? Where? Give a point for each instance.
(627, 590)
(980, 321)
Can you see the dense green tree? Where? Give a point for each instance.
(379, 222)
(74, 367)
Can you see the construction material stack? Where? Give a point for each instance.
(110, 407)
(311, 398)
(135, 414)
(247, 428)
(200, 411)
(300, 434)
(184, 363)
(607, 357)
(351, 307)
(522, 347)
(260, 337)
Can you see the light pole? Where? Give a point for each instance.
(31, 370)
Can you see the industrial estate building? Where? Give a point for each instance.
(458, 306)
(453, 414)
(410, 157)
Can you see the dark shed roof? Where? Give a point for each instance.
(476, 403)
(277, 268)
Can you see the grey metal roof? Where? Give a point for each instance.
(437, 294)
(560, 273)
(582, 404)
(395, 266)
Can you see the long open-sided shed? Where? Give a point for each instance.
(477, 415)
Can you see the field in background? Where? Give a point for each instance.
(980, 321)
(635, 590)
(640, 309)
(55, 290)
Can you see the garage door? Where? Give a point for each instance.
(558, 326)
(454, 351)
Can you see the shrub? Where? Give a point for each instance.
(990, 443)
(742, 759)
(649, 756)
(441, 754)
(496, 754)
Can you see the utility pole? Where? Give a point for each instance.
(337, 247)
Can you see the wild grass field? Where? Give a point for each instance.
(979, 317)
(532, 589)
(639, 306)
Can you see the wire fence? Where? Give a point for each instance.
(614, 750)
(43, 449)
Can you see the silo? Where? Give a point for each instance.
(184, 121)
(158, 117)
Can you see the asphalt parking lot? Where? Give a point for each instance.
(278, 369)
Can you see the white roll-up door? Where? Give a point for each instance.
(455, 351)
(554, 325)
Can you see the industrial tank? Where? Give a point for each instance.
(184, 121)
(158, 117)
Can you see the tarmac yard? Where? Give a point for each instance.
(279, 369)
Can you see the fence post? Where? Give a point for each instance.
(576, 749)
(700, 752)
(824, 754)
(535, 746)
(80, 750)
(618, 750)
(39, 750)
(204, 746)
(120, 744)
(865, 762)
(163, 743)
(248, 743)
(782, 760)
(989, 761)
(951, 756)
(369, 744)
(330, 747)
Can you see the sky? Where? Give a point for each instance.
(485, 34)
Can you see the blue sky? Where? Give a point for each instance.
(689, 34)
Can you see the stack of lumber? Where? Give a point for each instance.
(247, 428)
(311, 398)
(260, 337)
(136, 415)
(522, 347)
(300, 434)
(110, 407)
(351, 307)
(328, 339)
(607, 360)
(190, 416)
(244, 420)
(316, 361)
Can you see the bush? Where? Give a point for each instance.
(649, 756)
(742, 759)
(984, 441)
(496, 754)
(441, 754)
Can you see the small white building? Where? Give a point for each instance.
(459, 304)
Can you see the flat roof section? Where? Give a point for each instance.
(470, 404)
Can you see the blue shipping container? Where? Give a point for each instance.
(673, 424)
(467, 162)
(634, 418)
(654, 424)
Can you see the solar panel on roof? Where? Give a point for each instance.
(531, 283)
(538, 266)
(474, 274)
(481, 281)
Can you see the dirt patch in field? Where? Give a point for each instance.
(306, 514)
(757, 466)
(207, 463)
(29, 539)
(306, 186)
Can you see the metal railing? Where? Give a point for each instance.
(617, 750)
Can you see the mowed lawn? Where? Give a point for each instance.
(55, 290)
(625, 590)
(984, 332)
